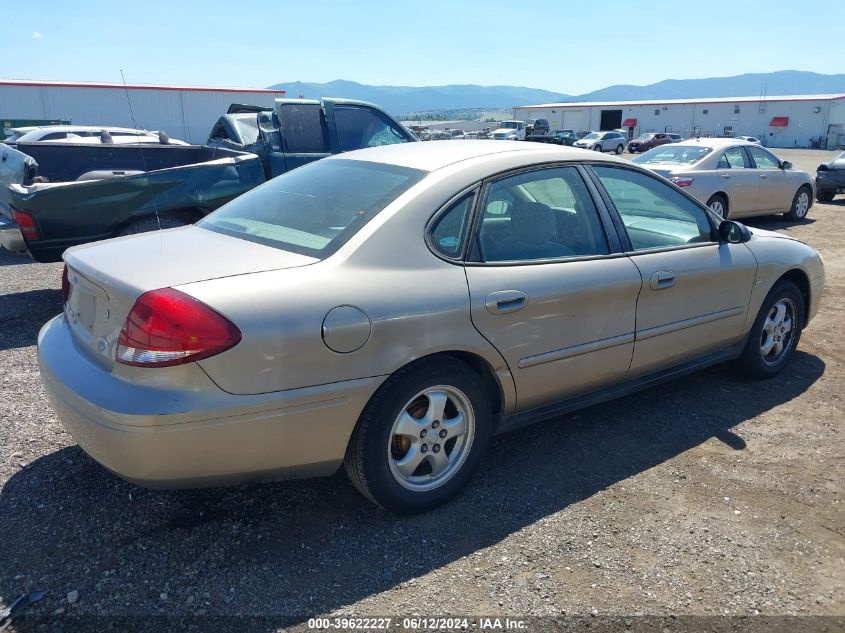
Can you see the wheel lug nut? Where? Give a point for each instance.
(424, 432)
(435, 424)
(436, 448)
(442, 432)
(424, 448)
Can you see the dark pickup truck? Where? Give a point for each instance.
(830, 179)
(54, 196)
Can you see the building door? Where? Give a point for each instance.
(610, 120)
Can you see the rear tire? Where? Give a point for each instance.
(800, 205)
(719, 205)
(775, 333)
(619, 149)
(150, 223)
(410, 454)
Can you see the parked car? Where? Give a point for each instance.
(58, 195)
(455, 135)
(558, 137)
(676, 138)
(510, 131)
(86, 134)
(750, 139)
(734, 178)
(647, 141)
(287, 333)
(830, 179)
(602, 142)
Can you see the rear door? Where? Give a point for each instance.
(738, 180)
(549, 287)
(775, 191)
(695, 290)
(303, 134)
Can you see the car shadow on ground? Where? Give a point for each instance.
(7, 258)
(23, 313)
(295, 549)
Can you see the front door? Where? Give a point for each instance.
(548, 289)
(695, 290)
(775, 192)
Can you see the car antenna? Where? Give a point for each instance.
(141, 149)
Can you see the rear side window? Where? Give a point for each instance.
(449, 232)
(363, 127)
(303, 128)
(654, 214)
(541, 214)
(733, 159)
(315, 209)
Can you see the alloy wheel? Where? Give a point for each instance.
(431, 438)
(778, 331)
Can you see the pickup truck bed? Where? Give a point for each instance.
(66, 195)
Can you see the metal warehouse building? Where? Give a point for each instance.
(791, 121)
(184, 112)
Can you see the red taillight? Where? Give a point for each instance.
(27, 224)
(65, 286)
(167, 327)
(682, 181)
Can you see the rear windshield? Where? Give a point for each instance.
(673, 155)
(315, 209)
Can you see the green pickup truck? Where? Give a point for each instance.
(54, 196)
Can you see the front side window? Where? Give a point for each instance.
(315, 209)
(654, 214)
(362, 127)
(542, 214)
(763, 159)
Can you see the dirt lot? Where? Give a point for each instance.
(708, 496)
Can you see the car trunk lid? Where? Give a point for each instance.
(107, 277)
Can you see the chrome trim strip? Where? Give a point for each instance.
(576, 350)
(668, 328)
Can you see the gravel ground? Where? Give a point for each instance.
(706, 496)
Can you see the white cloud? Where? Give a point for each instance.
(36, 35)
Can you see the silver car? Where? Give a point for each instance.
(734, 178)
(390, 309)
(603, 142)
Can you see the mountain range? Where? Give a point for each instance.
(409, 99)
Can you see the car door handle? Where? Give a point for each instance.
(662, 279)
(725, 176)
(763, 176)
(505, 301)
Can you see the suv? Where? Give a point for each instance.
(602, 142)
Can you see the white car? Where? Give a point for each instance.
(85, 134)
(750, 139)
(510, 131)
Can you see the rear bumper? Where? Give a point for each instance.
(11, 237)
(159, 437)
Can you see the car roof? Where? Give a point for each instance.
(434, 155)
(714, 143)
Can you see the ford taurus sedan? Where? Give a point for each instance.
(734, 178)
(390, 309)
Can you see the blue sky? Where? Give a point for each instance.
(565, 46)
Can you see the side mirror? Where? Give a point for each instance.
(734, 232)
(786, 165)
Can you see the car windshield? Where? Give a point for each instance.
(511, 125)
(593, 135)
(673, 155)
(315, 209)
(645, 137)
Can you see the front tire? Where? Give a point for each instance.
(598, 148)
(800, 205)
(421, 436)
(719, 205)
(775, 333)
(825, 196)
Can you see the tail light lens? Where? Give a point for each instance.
(167, 327)
(682, 181)
(65, 286)
(27, 224)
